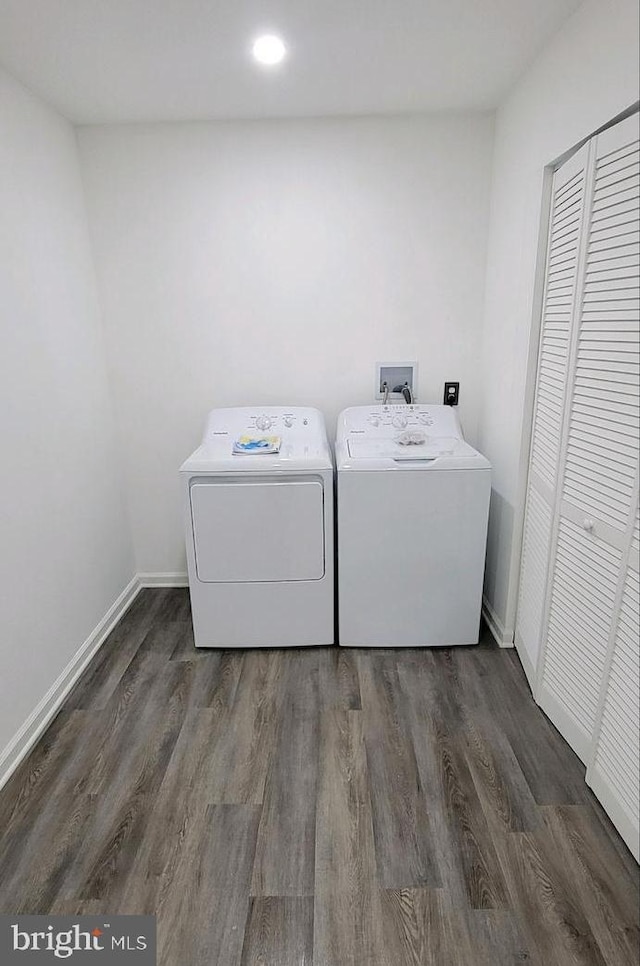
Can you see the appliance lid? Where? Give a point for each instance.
(367, 454)
(217, 456)
(298, 433)
(367, 447)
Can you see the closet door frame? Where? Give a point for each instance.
(565, 510)
(599, 658)
(515, 568)
(531, 389)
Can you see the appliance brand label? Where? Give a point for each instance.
(78, 940)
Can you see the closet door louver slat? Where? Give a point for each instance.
(614, 773)
(578, 631)
(560, 274)
(556, 324)
(597, 480)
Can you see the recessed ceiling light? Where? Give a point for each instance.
(269, 49)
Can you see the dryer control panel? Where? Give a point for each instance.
(295, 422)
(383, 422)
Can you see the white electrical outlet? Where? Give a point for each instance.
(396, 374)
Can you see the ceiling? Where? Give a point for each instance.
(100, 61)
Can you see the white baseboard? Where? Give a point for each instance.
(44, 712)
(164, 580)
(528, 666)
(503, 638)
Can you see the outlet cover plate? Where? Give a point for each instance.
(451, 393)
(396, 374)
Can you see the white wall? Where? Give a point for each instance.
(583, 78)
(66, 548)
(266, 262)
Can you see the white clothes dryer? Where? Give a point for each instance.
(259, 529)
(413, 504)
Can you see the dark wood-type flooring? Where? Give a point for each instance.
(325, 806)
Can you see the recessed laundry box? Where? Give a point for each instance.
(259, 529)
(413, 504)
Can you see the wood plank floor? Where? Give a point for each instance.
(322, 806)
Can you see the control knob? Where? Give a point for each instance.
(264, 422)
(399, 421)
(374, 420)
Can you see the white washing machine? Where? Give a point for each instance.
(413, 505)
(259, 530)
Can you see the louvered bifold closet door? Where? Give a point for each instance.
(560, 288)
(600, 449)
(614, 772)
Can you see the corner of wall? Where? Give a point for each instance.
(47, 708)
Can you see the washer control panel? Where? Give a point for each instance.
(388, 421)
